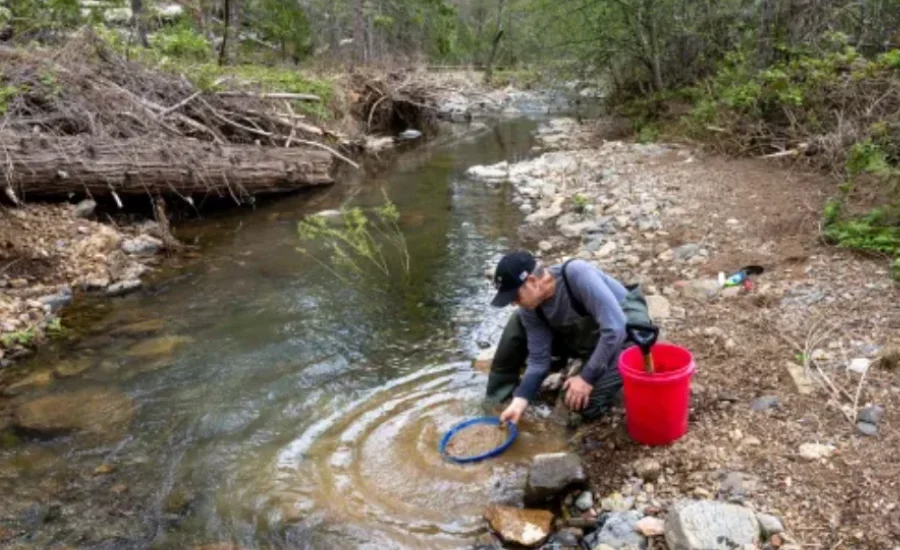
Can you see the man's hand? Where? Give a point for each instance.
(578, 393)
(514, 411)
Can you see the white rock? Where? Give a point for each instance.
(859, 365)
(608, 248)
(816, 451)
(585, 501)
(658, 307)
(494, 173)
(650, 526)
(707, 525)
(545, 246)
(142, 245)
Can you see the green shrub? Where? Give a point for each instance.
(181, 41)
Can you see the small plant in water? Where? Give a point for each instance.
(360, 243)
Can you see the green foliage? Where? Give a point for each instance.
(181, 41)
(284, 24)
(580, 202)
(866, 157)
(29, 17)
(7, 93)
(359, 246)
(873, 232)
(24, 337)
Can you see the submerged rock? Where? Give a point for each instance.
(32, 381)
(553, 474)
(140, 328)
(525, 527)
(157, 348)
(72, 367)
(707, 524)
(94, 410)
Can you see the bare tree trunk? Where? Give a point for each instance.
(359, 38)
(138, 23)
(228, 51)
(498, 34)
(40, 166)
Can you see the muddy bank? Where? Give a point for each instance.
(790, 369)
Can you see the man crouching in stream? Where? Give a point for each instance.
(568, 311)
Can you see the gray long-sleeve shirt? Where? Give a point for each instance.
(601, 296)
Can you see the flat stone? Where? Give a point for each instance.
(648, 469)
(618, 532)
(658, 307)
(871, 414)
(553, 474)
(700, 289)
(123, 287)
(769, 525)
(709, 525)
(545, 246)
(526, 209)
(525, 527)
(765, 403)
(140, 328)
(72, 367)
(651, 526)
(816, 451)
(142, 245)
(157, 348)
(867, 429)
(331, 216)
(31, 382)
(57, 301)
(93, 410)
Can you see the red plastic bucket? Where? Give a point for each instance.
(656, 404)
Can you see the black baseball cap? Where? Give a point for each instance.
(512, 271)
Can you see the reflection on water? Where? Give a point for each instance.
(276, 407)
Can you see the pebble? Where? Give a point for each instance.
(545, 246)
(650, 526)
(871, 414)
(585, 501)
(764, 403)
(816, 451)
(648, 469)
(867, 429)
(859, 365)
(769, 524)
(700, 492)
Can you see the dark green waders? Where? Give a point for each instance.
(576, 341)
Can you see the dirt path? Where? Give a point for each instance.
(672, 219)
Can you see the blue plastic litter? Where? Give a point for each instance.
(489, 420)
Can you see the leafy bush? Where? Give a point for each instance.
(183, 42)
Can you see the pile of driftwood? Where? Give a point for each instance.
(84, 121)
(398, 101)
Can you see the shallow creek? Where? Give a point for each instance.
(275, 406)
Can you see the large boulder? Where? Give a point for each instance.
(553, 475)
(520, 526)
(710, 525)
(92, 410)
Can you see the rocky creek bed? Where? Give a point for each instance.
(792, 430)
(781, 452)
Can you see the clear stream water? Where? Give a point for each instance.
(293, 411)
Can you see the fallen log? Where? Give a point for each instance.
(41, 167)
(272, 95)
